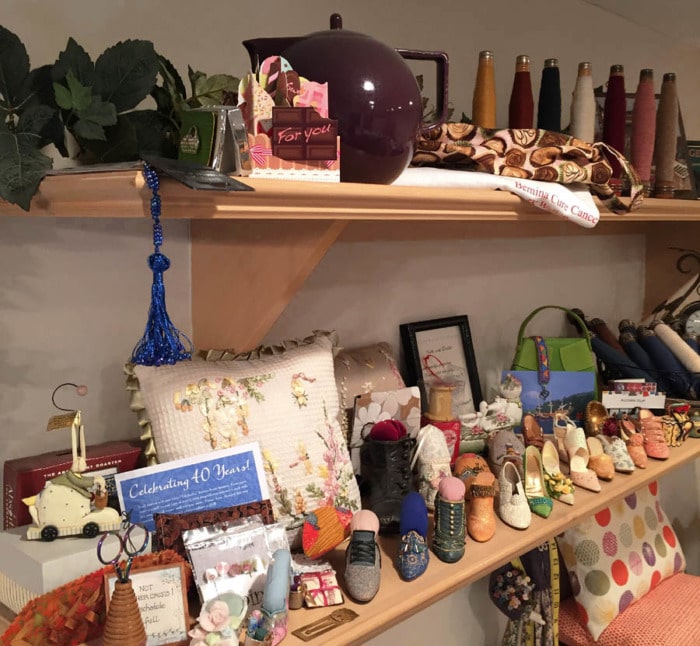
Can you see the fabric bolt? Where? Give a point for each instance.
(668, 368)
(616, 364)
(675, 343)
(615, 114)
(521, 108)
(583, 105)
(549, 103)
(643, 125)
(604, 333)
(665, 141)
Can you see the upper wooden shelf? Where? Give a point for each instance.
(122, 194)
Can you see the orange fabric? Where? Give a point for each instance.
(665, 616)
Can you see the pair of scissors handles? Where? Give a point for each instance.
(126, 547)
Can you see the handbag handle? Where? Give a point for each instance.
(568, 312)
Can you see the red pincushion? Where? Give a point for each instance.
(388, 430)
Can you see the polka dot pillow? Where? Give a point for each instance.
(615, 557)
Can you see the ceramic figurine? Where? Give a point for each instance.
(72, 503)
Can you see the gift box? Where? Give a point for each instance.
(321, 589)
(25, 477)
(289, 133)
(29, 569)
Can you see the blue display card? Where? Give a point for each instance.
(218, 479)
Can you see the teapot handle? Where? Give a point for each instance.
(442, 62)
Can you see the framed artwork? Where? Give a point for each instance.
(439, 352)
(161, 594)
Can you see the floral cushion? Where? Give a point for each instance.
(615, 557)
(283, 397)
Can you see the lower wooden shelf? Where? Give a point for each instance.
(398, 600)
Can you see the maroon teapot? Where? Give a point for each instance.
(372, 93)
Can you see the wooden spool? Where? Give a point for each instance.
(124, 626)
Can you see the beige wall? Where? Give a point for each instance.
(74, 293)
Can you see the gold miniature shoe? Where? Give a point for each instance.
(595, 417)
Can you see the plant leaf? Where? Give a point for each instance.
(64, 99)
(14, 68)
(86, 129)
(126, 73)
(155, 133)
(101, 112)
(36, 121)
(22, 167)
(80, 94)
(119, 145)
(209, 90)
(74, 59)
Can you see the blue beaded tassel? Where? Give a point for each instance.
(162, 343)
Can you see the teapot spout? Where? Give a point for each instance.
(261, 48)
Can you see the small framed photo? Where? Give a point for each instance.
(161, 594)
(439, 352)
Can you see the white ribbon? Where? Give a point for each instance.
(571, 201)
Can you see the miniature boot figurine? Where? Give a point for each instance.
(449, 535)
(386, 469)
(413, 555)
(362, 557)
(481, 522)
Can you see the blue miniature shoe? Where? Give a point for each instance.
(413, 549)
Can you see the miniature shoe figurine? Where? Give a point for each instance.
(504, 445)
(413, 554)
(616, 448)
(595, 417)
(275, 601)
(481, 520)
(449, 534)
(467, 467)
(540, 503)
(558, 486)
(651, 428)
(598, 460)
(577, 451)
(513, 507)
(431, 462)
(634, 441)
(532, 431)
(362, 557)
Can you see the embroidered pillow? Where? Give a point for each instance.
(615, 557)
(283, 397)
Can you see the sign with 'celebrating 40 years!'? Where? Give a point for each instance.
(211, 481)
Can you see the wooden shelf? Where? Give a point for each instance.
(123, 194)
(398, 600)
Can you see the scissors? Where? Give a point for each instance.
(128, 545)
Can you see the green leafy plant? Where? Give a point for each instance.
(99, 104)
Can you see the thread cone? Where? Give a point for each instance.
(124, 625)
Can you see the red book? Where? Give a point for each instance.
(25, 477)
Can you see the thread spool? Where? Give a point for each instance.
(614, 118)
(440, 403)
(484, 100)
(643, 128)
(549, 103)
(522, 106)
(124, 625)
(665, 141)
(583, 106)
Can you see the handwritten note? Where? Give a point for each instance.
(160, 593)
(219, 479)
